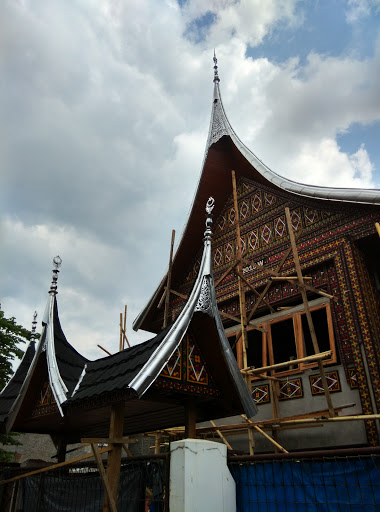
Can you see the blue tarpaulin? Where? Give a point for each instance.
(338, 484)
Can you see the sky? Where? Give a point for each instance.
(104, 114)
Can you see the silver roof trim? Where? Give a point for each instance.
(202, 298)
(57, 384)
(220, 126)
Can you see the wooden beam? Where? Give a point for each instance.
(307, 311)
(182, 295)
(268, 285)
(276, 444)
(225, 274)
(54, 466)
(241, 348)
(162, 298)
(108, 440)
(285, 364)
(221, 436)
(274, 273)
(254, 290)
(104, 478)
(190, 419)
(168, 284)
(105, 350)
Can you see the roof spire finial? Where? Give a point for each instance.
(209, 207)
(57, 262)
(34, 325)
(216, 76)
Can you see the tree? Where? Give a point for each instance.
(11, 336)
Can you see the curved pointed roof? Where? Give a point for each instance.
(139, 366)
(63, 363)
(225, 152)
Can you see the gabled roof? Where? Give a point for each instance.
(225, 152)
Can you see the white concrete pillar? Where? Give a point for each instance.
(200, 480)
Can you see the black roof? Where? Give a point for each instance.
(70, 362)
(13, 388)
(114, 373)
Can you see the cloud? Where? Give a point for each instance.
(358, 9)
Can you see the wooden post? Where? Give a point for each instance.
(157, 442)
(190, 419)
(168, 285)
(106, 484)
(121, 332)
(307, 312)
(221, 436)
(243, 314)
(114, 457)
(61, 450)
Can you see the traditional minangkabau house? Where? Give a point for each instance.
(297, 282)
(187, 373)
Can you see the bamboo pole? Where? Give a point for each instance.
(308, 312)
(243, 313)
(254, 290)
(54, 466)
(377, 225)
(225, 274)
(114, 457)
(221, 436)
(121, 332)
(168, 285)
(307, 359)
(104, 478)
(105, 350)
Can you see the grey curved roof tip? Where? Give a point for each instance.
(64, 363)
(201, 299)
(220, 126)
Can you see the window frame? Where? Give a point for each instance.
(295, 313)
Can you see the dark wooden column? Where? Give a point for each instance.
(190, 419)
(114, 456)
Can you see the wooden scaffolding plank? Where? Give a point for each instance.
(168, 284)
(54, 466)
(104, 478)
(308, 312)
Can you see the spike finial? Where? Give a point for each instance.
(216, 76)
(209, 208)
(57, 262)
(34, 325)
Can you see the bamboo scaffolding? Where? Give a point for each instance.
(54, 466)
(168, 284)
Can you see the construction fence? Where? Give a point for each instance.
(307, 482)
(143, 487)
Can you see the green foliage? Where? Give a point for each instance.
(11, 335)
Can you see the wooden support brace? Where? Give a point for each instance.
(104, 478)
(54, 466)
(168, 284)
(108, 440)
(225, 274)
(254, 290)
(105, 350)
(221, 436)
(285, 364)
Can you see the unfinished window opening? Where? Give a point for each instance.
(256, 353)
(283, 346)
(321, 330)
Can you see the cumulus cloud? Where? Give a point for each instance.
(105, 111)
